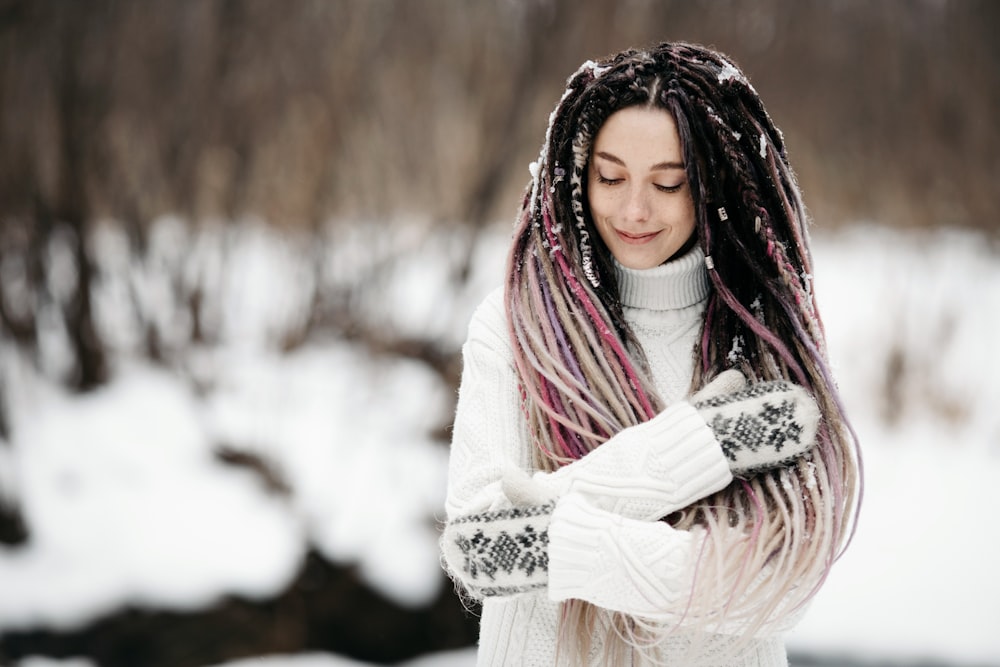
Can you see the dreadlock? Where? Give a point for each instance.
(768, 541)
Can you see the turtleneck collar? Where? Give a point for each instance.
(679, 283)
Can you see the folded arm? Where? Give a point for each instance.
(589, 530)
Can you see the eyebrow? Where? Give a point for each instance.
(659, 166)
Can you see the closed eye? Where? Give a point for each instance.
(670, 188)
(607, 181)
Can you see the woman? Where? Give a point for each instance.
(650, 462)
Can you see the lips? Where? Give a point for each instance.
(636, 239)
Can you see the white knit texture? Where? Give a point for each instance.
(636, 567)
(490, 439)
(649, 470)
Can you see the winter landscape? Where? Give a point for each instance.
(240, 243)
(129, 504)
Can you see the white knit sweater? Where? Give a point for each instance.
(649, 562)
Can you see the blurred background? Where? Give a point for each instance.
(239, 245)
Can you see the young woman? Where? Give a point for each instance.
(650, 464)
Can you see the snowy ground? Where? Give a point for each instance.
(463, 658)
(127, 503)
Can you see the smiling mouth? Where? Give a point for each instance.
(636, 239)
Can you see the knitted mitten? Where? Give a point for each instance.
(761, 426)
(499, 553)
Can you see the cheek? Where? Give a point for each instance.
(599, 214)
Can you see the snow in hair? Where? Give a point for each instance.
(767, 542)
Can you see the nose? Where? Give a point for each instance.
(637, 206)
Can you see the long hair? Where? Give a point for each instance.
(767, 542)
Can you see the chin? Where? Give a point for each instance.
(643, 261)
(641, 264)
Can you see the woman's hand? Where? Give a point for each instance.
(759, 426)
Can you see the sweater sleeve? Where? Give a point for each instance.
(635, 567)
(489, 435)
(639, 568)
(646, 471)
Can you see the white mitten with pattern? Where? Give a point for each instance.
(760, 426)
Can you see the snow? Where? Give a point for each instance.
(124, 502)
(919, 581)
(597, 70)
(729, 73)
(41, 661)
(128, 502)
(462, 658)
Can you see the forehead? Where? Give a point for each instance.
(640, 136)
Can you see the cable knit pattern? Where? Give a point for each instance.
(649, 470)
(636, 567)
(595, 552)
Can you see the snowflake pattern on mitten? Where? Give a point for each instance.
(499, 553)
(763, 425)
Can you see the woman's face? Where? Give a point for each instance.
(637, 187)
